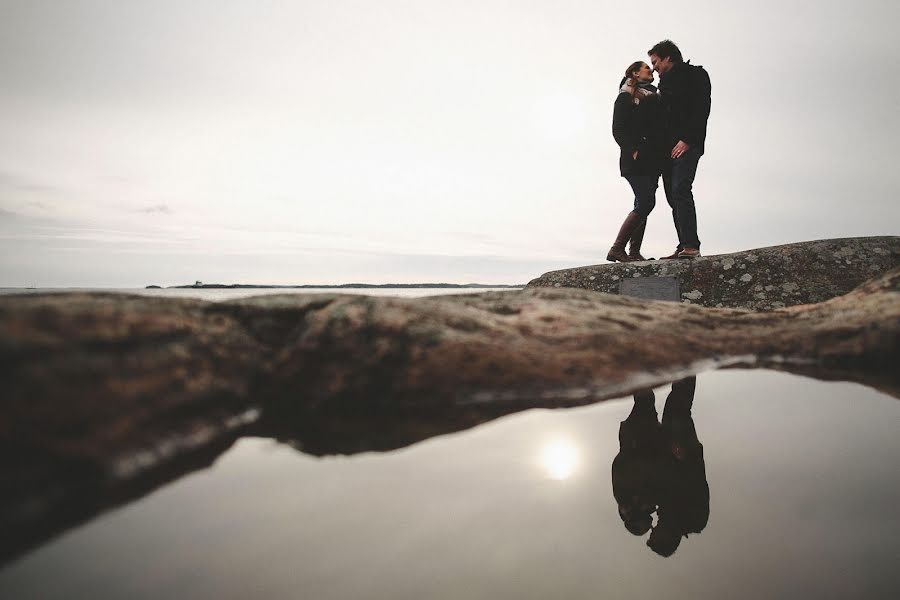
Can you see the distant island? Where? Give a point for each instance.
(241, 286)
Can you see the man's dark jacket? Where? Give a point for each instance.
(639, 127)
(685, 94)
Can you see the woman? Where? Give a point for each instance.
(637, 128)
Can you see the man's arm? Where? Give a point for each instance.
(699, 107)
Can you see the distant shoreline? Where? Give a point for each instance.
(240, 286)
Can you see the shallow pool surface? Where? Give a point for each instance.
(741, 484)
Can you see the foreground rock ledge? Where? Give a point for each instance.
(105, 395)
(760, 279)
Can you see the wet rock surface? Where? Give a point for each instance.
(107, 396)
(760, 279)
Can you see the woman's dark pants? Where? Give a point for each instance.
(644, 187)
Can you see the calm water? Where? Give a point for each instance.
(219, 295)
(786, 487)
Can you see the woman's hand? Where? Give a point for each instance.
(634, 155)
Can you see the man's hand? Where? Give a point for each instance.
(679, 149)
(634, 155)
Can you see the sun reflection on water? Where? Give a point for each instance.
(559, 458)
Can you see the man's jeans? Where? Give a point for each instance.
(678, 178)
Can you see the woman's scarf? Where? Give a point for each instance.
(644, 89)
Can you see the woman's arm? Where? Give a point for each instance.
(622, 126)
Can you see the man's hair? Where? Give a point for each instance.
(666, 49)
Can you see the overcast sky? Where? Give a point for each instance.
(333, 141)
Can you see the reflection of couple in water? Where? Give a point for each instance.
(660, 469)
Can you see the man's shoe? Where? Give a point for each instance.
(673, 255)
(689, 253)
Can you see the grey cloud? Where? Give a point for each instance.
(20, 183)
(163, 209)
(471, 236)
(26, 197)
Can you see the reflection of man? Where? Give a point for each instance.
(684, 493)
(684, 93)
(660, 469)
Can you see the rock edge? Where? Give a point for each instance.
(760, 279)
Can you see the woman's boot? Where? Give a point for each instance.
(617, 252)
(637, 236)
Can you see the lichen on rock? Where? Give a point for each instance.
(801, 273)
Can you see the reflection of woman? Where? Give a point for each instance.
(637, 129)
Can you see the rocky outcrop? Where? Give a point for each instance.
(106, 396)
(761, 279)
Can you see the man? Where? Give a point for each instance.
(683, 495)
(685, 95)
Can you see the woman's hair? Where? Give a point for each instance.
(629, 74)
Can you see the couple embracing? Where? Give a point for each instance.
(661, 133)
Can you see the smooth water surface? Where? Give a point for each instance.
(794, 492)
(223, 294)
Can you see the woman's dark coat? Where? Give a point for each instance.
(639, 127)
